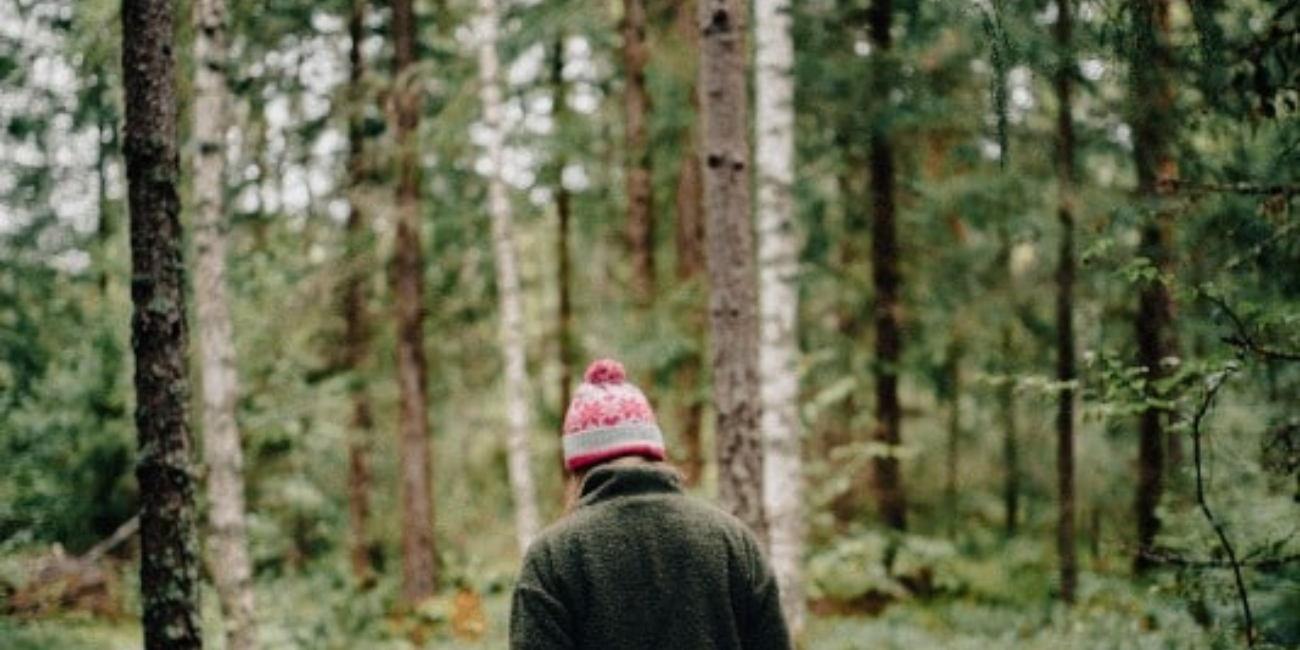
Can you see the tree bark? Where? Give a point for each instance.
(169, 557)
(1012, 478)
(564, 213)
(691, 260)
(1066, 545)
(732, 276)
(637, 169)
(778, 250)
(886, 472)
(1153, 106)
(228, 539)
(105, 229)
(419, 568)
(953, 379)
(356, 318)
(511, 326)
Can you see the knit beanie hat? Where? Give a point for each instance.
(608, 418)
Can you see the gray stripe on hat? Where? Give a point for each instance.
(588, 442)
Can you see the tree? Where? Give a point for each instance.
(356, 318)
(511, 324)
(1156, 172)
(564, 216)
(637, 171)
(419, 568)
(778, 255)
(169, 567)
(223, 456)
(689, 240)
(733, 323)
(1063, 79)
(887, 477)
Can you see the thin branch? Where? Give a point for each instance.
(1174, 559)
(1176, 185)
(124, 532)
(1216, 382)
(1242, 338)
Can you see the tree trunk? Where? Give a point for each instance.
(419, 568)
(228, 539)
(511, 329)
(169, 550)
(953, 465)
(842, 426)
(105, 229)
(732, 276)
(564, 212)
(778, 249)
(1153, 106)
(887, 475)
(691, 261)
(638, 181)
(1006, 396)
(356, 318)
(1066, 547)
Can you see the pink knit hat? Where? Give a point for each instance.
(608, 418)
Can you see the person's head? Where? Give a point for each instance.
(608, 419)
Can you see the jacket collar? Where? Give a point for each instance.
(612, 482)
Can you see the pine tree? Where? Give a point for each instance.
(637, 169)
(169, 562)
(1156, 169)
(419, 568)
(356, 317)
(732, 275)
(887, 478)
(691, 265)
(1063, 78)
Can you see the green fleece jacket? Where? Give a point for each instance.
(639, 565)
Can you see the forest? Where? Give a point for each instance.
(983, 315)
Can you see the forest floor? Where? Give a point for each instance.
(317, 611)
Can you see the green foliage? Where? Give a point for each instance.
(1111, 615)
(978, 233)
(69, 635)
(874, 567)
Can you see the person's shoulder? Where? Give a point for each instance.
(709, 514)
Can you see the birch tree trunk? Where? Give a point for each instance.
(356, 319)
(169, 549)
(419, 566)
(1065, 272)
(511, 327)
(227, 539)
(733, 288)
(640, 192)
(778, 252)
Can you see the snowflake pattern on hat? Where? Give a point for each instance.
(609, 417)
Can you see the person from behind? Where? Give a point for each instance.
(636, 563)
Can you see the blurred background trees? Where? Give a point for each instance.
(980, 193)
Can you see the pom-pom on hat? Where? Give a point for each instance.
(608, 418)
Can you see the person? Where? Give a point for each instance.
(636, 563)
